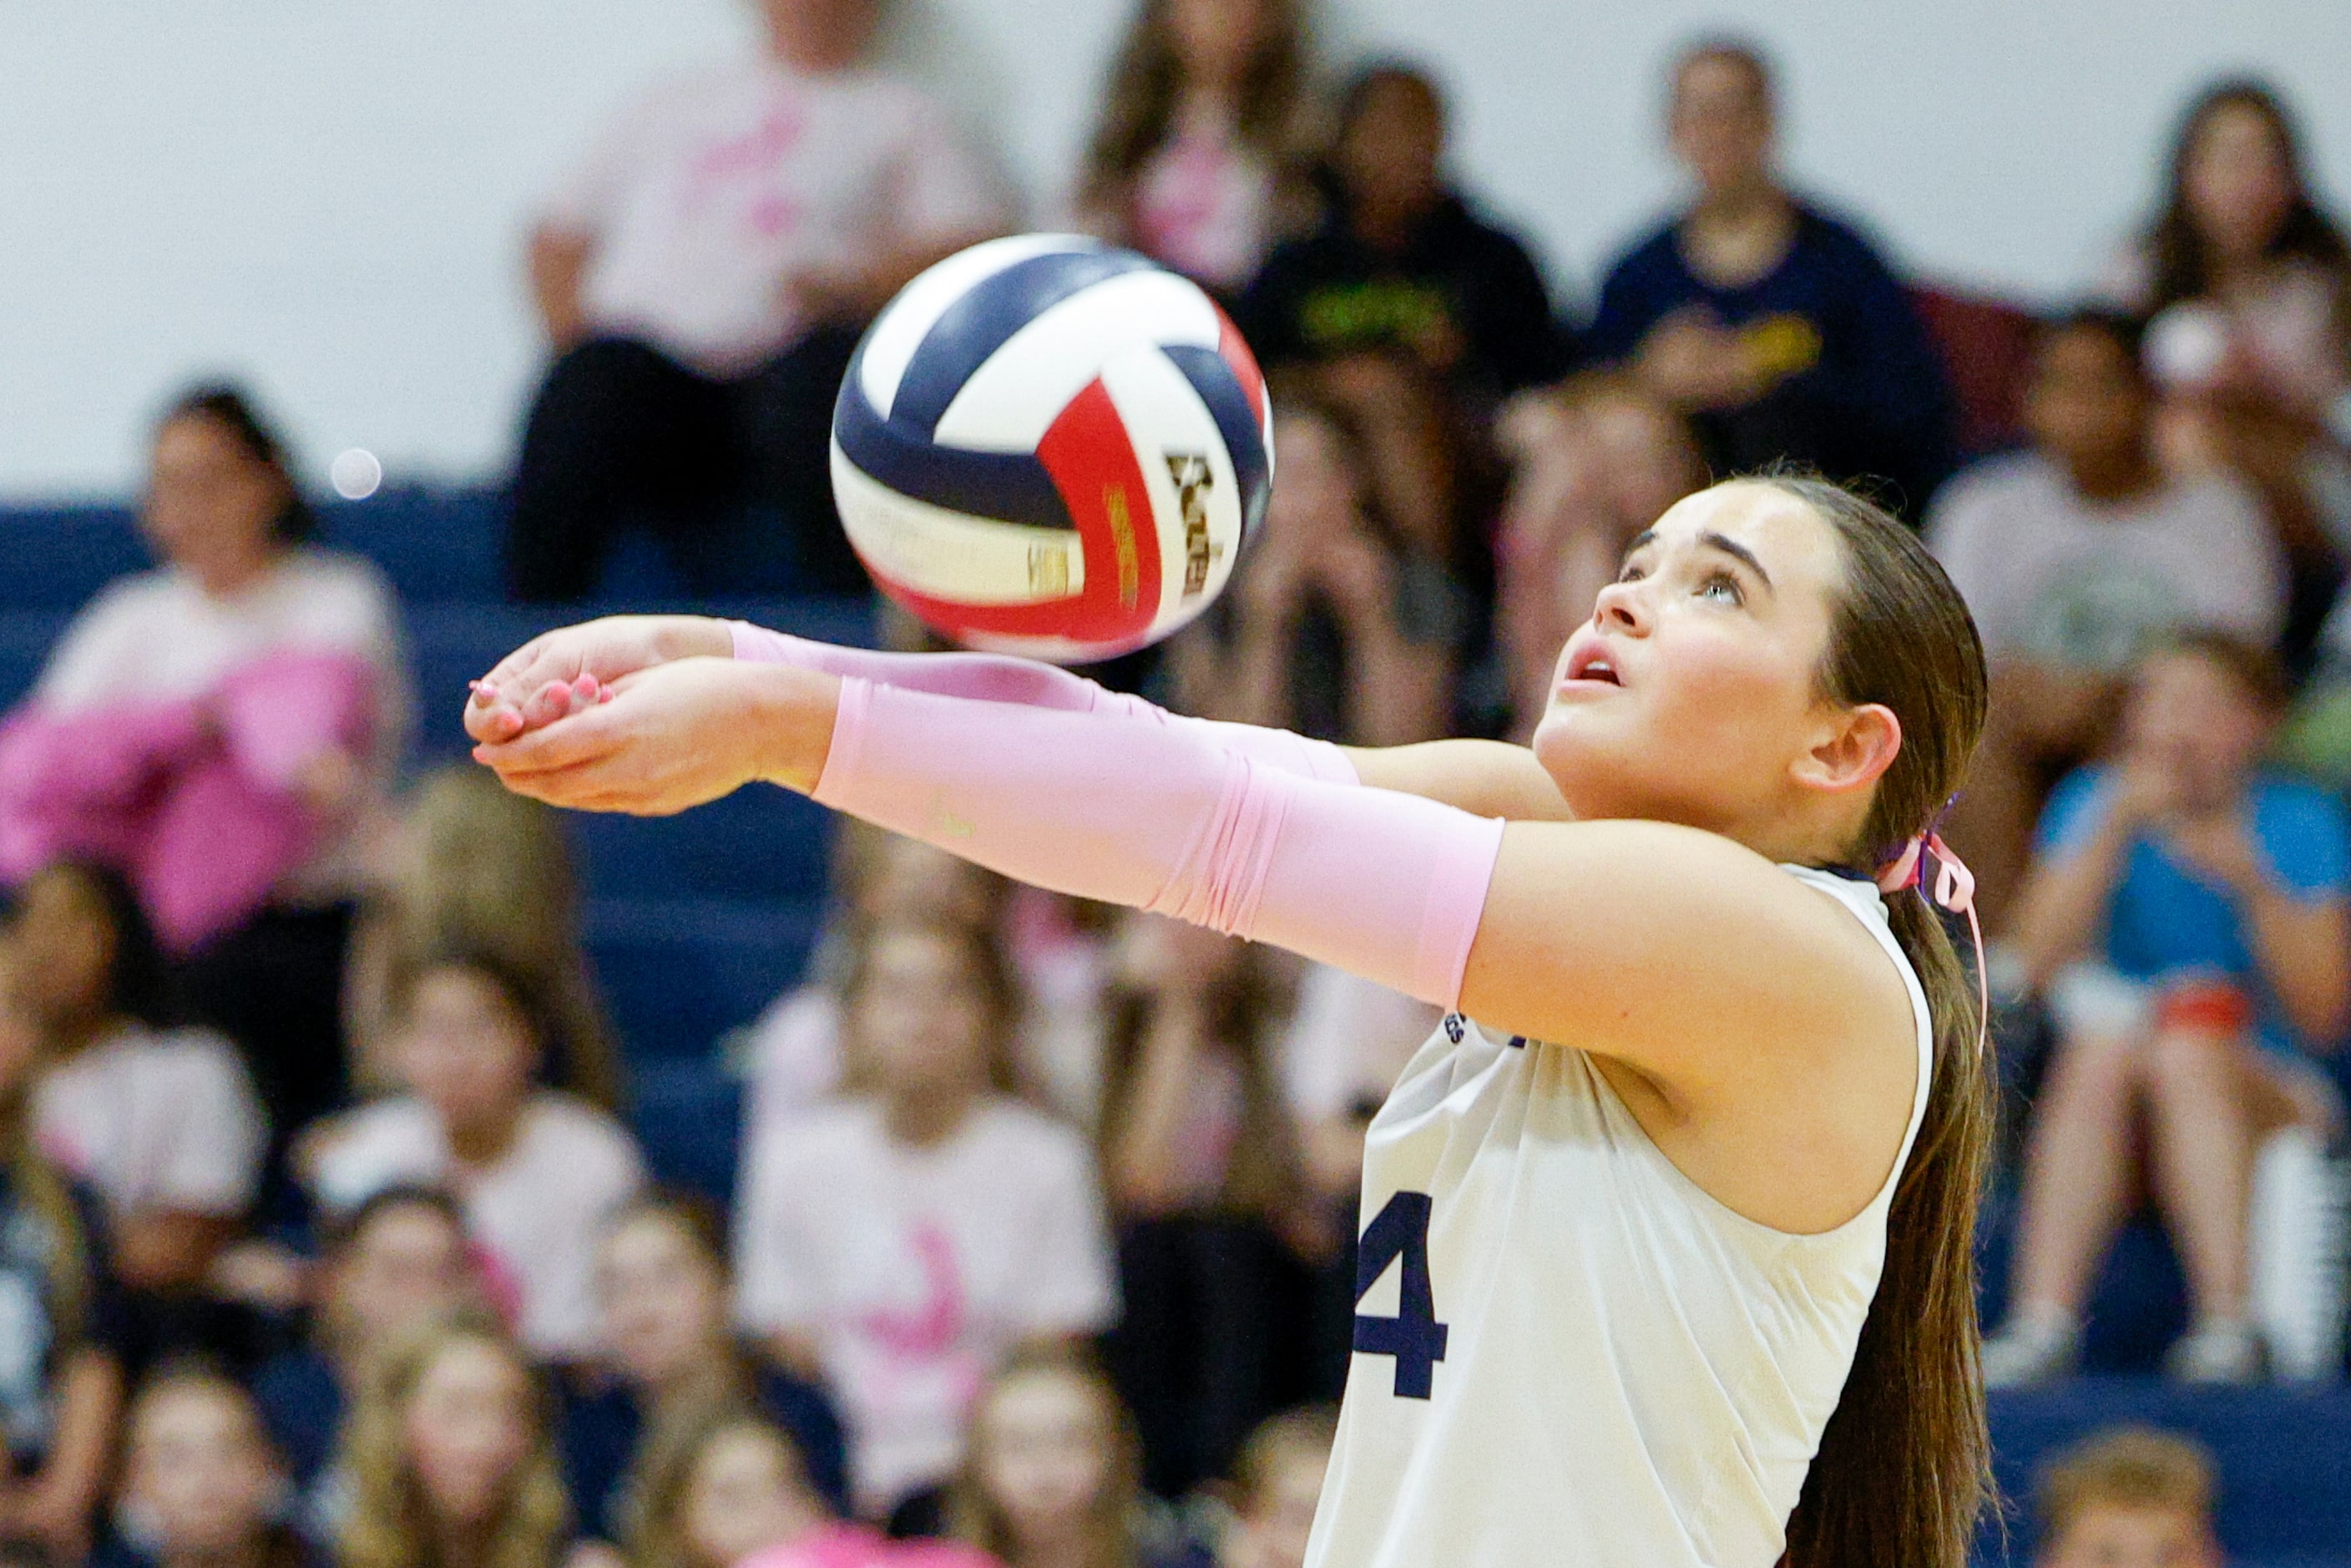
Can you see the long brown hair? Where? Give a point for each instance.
(1146, 86)
(2182, 260)
(1903, 1471)
(387, 1525)
(655, 1527)
(973, 1515)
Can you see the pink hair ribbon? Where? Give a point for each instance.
(1954, 890)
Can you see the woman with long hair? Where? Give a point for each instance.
(1200, 145)
(1666, 1256)
(451, 1457)
(203, 1485)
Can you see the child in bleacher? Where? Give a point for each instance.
(452, 1457)
(1276, 1485)
(160, 1122)
(472, 864)
(202, 1486)
(1054, 1473)
(902, 1238)
(2190, 916)
(2128, 1498)
(735, 1494)
(60, 1373)
(1206, 1179)
(536, 1170)
(668, 1353)
(397, 1262)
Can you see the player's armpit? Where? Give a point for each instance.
(1484, 777)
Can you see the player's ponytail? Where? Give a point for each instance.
(1903, 1473)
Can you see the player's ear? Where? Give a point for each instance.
(1852, 750)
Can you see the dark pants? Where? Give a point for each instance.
(1208, 1343)
(620, 433)
(275, 986)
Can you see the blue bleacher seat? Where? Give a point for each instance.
(26, 638)
(2284, 1459)
(437, 546)
(2138, 1302)
(761, 843)
(688, 1117)
(678, 973)
(55, 558)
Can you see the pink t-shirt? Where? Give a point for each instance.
(855, 1546)
(709, 194)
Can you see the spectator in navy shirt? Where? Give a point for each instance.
(669, 1358)
(2191, 918)
(1401, 261)
(1777, 329)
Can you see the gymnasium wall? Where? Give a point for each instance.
(329, 196)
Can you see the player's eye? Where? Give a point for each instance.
(1722, 588)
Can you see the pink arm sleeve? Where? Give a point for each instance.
(995, 678)
(1387, 886)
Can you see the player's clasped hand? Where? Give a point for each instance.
(554, 676)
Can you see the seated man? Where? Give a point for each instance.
(2128, 1498)
(1401, 262)
(2075, 557)
(2189, 919)
(703, 278)
(1774, 326)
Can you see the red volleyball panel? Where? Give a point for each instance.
(1091, 460)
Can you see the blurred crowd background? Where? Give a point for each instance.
(395, 1172)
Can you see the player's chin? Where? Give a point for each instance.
(1574, 741)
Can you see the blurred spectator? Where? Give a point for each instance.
(537, 1170)
(2191, 915)
(1276, 1487)
(1774, 326)
(224, 727)
(1202, 136)
(668, 1356)
(1592, 463)
(1335, 628)
(451, 1459)
(1401, 261)
(2249, 285)
(703, 278)
(202, 1486)
(2076, 557)
(902, 1239)
(1205, 1174)
(159, 1121)
(1054, 1473)
(736, 1493)
(2128, 1498)
(397, 1263)
(60, 1371)
(473, 865)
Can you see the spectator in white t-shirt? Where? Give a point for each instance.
(702, 276)
(227, 726)
(901, 1239)
(160, 1123)
(537, 1171)
(2076, 557)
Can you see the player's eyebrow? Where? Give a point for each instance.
(1711, 540)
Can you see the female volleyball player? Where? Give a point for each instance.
(1665, 1258)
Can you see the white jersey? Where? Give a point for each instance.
(1568, 1353)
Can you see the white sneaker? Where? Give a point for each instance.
(2031, 1351)
(2226, 1351)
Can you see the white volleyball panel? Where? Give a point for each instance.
(950, 555)
(1009, 401)
(918, 307)
(1194, 497)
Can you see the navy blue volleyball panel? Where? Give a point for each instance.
(1010, 487)
(976, 325)
(1228, 405)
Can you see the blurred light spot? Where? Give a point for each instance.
(355, 474)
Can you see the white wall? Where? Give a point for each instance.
(328, 194)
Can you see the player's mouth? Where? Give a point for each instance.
(1589, 666)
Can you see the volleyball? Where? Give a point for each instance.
(1050, 446)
